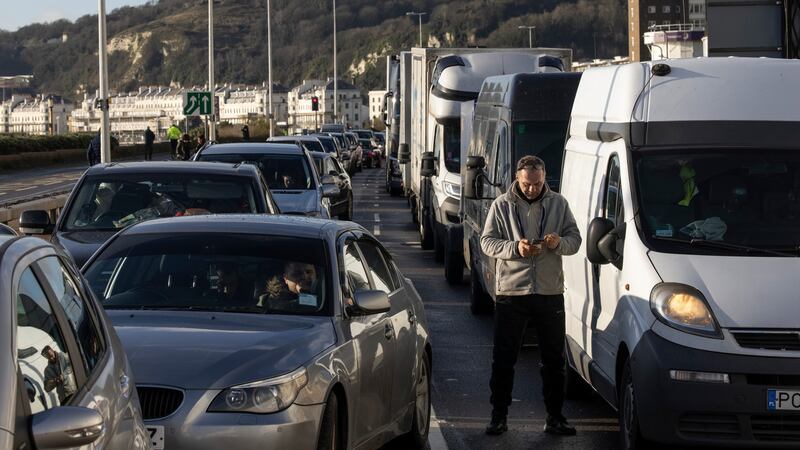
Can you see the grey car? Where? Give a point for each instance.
(327, 165)
(254, 332)
(67, 384)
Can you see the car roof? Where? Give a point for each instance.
(176, 167)
(255, 224)
(301, 137)
(253, 148)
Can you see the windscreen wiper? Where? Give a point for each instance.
(726, 246)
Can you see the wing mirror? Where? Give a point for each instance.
(330, 190)
(7, 230)
(428, 165)
(602, 238)
(403, 154)
(66, 427)
(472, 186)
(372, 302)
(35, 222)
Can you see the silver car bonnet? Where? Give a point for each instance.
(294, 201)
(205, 350)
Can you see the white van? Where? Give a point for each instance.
(683, 308)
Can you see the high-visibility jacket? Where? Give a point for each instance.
(174, 133)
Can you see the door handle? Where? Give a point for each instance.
(387, 331)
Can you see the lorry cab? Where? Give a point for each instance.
(515, 115)
(681, 310)
(456, 81)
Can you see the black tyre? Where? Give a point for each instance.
(480, 302)
(629, 432)
(348, 215)
(453, 264)
(438, 243)
(417, 438)
(425, 232)
(413, 205)
(330, 435)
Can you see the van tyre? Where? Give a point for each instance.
(417, 438)
(425, 232)
(479, 300)
(438, 243)
(330, 435)
(453, 264)
(629, 431)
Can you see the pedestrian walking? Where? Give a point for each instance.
(527, 231)
(185, 147)
(93, 151)
(245, 133)
(173, 134)
(149, 138)
(201, 142)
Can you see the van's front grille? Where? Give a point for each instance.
(158, 402)
(776, 428)
(768, 340)
(709, 426)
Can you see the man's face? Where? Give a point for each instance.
(50, 355)
(531, 182)
(300, 278)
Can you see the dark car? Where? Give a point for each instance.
(309, 142)
(332, 128)
(288, 171)
(328, 166)
(109, 197)
(371, 158)
(268, 332)
(345, 151)
(356, 152)
(394, 177)
(329, 144)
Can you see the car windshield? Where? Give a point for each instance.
(281, 172)
(545, 140)
(213, 272)
(313, 145)
(330, 147)
(365, 143)
(734, 198)
(379, 137)
(111, 203)
(363, 134)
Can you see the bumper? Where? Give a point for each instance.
(448, 212)
(192, 428)
(730, 415)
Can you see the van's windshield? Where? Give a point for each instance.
(545, 140)
(451, 146)
(744, 201)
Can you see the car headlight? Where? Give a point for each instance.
(452, 189)
(261, 397)
(684, 308)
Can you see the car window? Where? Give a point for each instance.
(76, 309)
(613, 197)
(44, 361)
(377, 267)
(338, 165)
(330, 167)
(280, 171)
(356, 274)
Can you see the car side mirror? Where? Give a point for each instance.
(35, 221)
(66, 427)
(372, 302)
(403, 154)
(428, 165)
(599, 229)
(328, 179)
(330, 190)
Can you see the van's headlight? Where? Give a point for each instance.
(452, 189)
(684, 308)
(261, 397)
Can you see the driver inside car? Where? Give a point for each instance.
(296, 287)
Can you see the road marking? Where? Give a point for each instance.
(435, 437)
(376, 205)
(377, 231)
(377, 217)
(26, 188)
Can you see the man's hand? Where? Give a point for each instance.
(552, 240)
(527, 249)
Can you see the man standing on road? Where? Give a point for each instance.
(245, 133)
(149, 138)
(173, 134)
(93, 151)
(527, 231)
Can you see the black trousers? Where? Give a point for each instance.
(511, 318)
(148, 152)
(173, 145)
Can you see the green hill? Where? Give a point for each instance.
(166, 41)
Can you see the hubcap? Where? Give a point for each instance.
(423, 400)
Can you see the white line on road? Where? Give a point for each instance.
(26, 188)
(376, 205)
(435, 437)
(377, 231)
(377, 217)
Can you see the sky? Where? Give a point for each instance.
(17, 13)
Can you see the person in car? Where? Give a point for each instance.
(295, 288)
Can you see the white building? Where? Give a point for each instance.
(697, 13)
(35, 115)
(376, 104)
(243, 103)
(351, 108)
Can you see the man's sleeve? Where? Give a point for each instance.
(570, 235)
(493, 243)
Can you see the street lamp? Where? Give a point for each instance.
(531, 31)
(335, 77)
(418, 14)
(269, 70)
(105, 138)
(212, 126)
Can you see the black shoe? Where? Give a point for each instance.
(497, 426)
(558, 426)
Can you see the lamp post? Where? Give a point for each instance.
(418, 14)
(269, 70)
(335, 76)
(105, 138)
(531, 31)
(212, 124)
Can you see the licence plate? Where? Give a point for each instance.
(156, 433)
(782, 400)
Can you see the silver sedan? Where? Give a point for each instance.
(253, 332)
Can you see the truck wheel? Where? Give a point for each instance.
(453, 266)
(425, 232)
(413, 205)
(438, 244)
(479, 300)
(629, 432)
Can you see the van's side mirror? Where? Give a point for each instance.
(609, 246)
(472, 187)
(601, 242)
(428, 165)
(35, 222)
(403, 154)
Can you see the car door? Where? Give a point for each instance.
(373, 339)
(403, 320)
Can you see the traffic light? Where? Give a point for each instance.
(315, 103)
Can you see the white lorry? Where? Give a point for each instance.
(442, 80)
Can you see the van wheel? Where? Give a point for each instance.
(330, 436)
(453, 264)
(417, 438)
(479, 300)
(425, 230)
(629, 432)
(438, 244)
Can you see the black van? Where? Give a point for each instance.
(515, 115)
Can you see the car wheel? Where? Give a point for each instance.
(438, 244)
(330, 436)
(453, 265)
(479, 300)
(417, 438)
(348, 215)
(629, 432)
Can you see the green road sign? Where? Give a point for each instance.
(197, 103)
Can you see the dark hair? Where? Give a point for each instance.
(44, 351)
(530, 162)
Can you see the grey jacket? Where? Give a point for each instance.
(512, 219)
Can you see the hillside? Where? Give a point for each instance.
(166, 41)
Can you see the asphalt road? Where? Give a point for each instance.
(462, 347)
